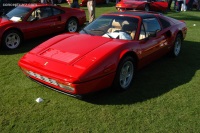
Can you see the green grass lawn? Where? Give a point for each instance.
(164, 98)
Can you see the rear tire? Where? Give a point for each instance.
(11, 39)
(125, 73)
(72, 25)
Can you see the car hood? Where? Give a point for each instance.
(72, 48)
(75, 57)
(4, 21)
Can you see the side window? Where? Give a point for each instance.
(34, 15)
(57, 11)
(46, 12)
(40, 13)
(150, 25)
(164, 23)
(142, 32)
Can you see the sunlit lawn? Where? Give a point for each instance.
(164, 98)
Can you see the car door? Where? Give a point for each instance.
(60, 23)
(159, 5)
(40, 22)
(152, 41)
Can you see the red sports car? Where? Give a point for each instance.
(147, 5)
(106, 53)
(33, 20)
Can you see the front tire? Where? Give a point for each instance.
(12, 39)
(72, 25)
(177, 46)
(125, 73)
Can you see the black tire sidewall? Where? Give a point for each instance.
(173, 50)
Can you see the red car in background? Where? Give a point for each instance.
(106, 53)
(147, 5)
(34, 20)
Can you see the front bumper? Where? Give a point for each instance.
(70, 88)
(52, 88)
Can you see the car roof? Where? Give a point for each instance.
(141, 14)
(34, 5)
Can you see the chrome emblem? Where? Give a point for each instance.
(46, 63)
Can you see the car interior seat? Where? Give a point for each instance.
(129, 28)
(38, 14)
(32, 16)
(115, 26)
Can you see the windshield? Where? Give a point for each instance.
(18, 12)
(112, 27)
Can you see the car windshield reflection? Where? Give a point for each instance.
(118, 27)
(18, 12)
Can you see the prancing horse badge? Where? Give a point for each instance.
(46, 63)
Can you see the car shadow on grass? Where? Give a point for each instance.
(156, 79)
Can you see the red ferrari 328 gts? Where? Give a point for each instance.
(106, 53)
(33, 20)
(147, 5)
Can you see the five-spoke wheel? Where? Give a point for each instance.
(177, 46)
(12, 39)
(72, 25)
(125, 73)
